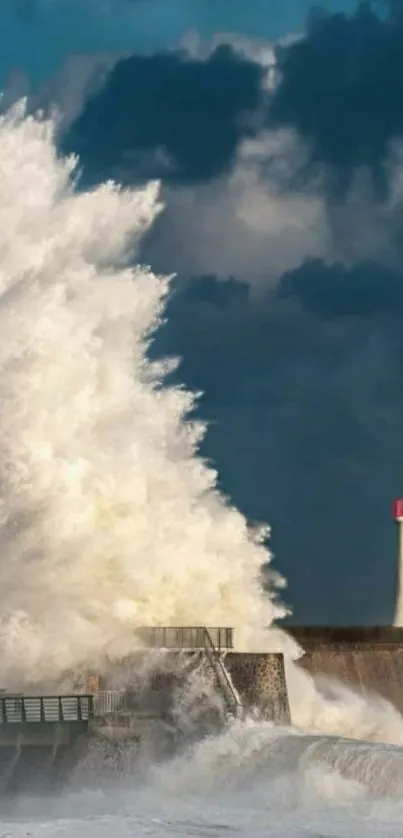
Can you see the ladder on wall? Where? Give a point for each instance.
(232, 702)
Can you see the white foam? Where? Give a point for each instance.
(109, 519)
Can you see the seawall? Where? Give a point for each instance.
(368, 658)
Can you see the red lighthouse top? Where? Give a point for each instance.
(398, 509)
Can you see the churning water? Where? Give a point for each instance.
(252, 781)
(109, 520)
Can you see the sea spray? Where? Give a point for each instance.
(109, 519)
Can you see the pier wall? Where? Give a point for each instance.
(260, 681)
(367, 658)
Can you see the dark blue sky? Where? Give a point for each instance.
(37, 35)
(283, 223)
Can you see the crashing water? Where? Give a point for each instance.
(253, 780)
(110, 520)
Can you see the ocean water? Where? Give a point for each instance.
(251, 781)
(109, 519)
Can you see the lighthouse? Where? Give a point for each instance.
(398, 516)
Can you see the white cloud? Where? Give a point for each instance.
(245, 224)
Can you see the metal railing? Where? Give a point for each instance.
(125, 702)
(16, 709)
(230, 696)
(114, 701)
(185, 637)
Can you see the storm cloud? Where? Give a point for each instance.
(342, 89)
(169, 116)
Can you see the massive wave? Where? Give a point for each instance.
(109, 517)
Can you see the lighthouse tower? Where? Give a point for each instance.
(398, 516)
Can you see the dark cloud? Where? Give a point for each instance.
(341, 291)
(342, 88)
(168, 115)
(306, 418)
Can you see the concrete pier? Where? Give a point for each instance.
(191, 689)
(247, 682)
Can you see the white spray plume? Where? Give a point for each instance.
(109, 520)
(108, 517)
